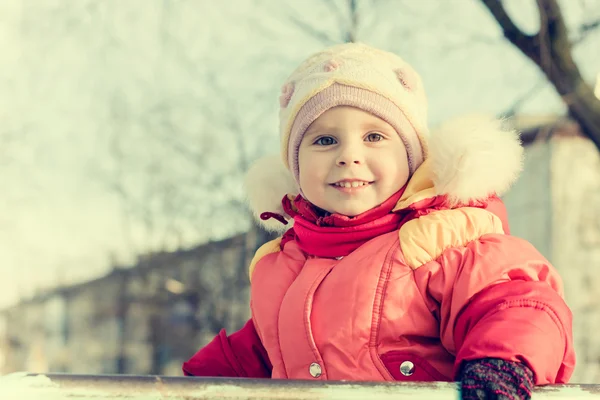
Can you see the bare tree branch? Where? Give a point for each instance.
(349, 29)
(589, 26)
(551, 50)
(351, 37)
(585, 30)
(312, 31)
(337, 11)
(518, 103)
(526, 43)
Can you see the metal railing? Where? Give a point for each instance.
(100, 387)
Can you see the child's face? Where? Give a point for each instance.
(351, 161)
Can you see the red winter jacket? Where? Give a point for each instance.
(445, 285)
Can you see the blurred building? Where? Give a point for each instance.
(146, 319)
(556, 206)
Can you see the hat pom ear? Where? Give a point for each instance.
(267, 182)
(473, 157)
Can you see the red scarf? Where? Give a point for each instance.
(337, 235)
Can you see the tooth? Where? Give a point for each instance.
(347, 184)
(354, 184)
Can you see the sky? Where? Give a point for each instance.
(120, 121)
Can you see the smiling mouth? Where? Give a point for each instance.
(349, 185)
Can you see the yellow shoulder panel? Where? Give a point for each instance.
(270, 247)
(424, 239)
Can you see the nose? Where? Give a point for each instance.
(350, 154)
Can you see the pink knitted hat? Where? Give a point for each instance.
(360, 76)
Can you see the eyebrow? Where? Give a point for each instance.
(318, 128)
(377, 125)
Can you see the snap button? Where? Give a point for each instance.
(407, 368)
(315, 370)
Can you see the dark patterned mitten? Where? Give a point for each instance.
(495, 379)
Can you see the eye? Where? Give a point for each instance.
(374, 137)
(325, 141)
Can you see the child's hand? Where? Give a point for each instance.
(492, 378)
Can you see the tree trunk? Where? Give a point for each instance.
(551, 50)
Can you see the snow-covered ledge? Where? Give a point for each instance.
(98, 387)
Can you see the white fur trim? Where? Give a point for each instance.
(473, 157)
(266, 183)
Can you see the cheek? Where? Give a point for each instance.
(392, 166)
(311, 172)
(310, 179)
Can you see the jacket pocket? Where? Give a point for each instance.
(408, 367)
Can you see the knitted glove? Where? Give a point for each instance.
(495, 379)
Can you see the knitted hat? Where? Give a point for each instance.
(360, 76)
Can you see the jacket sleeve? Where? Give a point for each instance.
(497, 297)
(239, 355)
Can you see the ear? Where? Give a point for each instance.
(474, 157)
(267, 182)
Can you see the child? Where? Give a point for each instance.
(399, 264)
